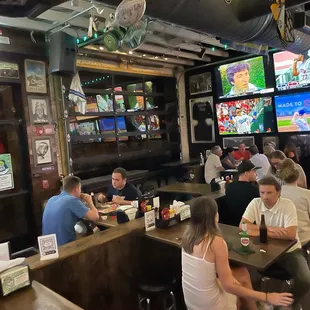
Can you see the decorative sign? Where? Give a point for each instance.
(9, 70)
(49, 168)
(6, 172)
(35, 76)
(40, 130)
(42, 151)
(149, 219)
(4, 40)
(39, 110)
(48, 247)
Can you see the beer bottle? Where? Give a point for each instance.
(262, 230)
(245, 240)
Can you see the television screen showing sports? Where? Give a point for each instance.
(291, 70)
(242, 78)
(293, 112)
(246, 116)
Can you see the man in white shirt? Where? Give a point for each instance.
(259, 160)
(281, 221)
(213, 164)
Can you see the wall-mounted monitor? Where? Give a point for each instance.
(293, 112)
(291, 70)
(246, 116)
(242, 78)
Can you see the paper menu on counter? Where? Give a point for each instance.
(149, 220)
(156, 202)
(48, 247)
(5, 251)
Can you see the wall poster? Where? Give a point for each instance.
(6, 172)
(202, 120)
(35, 76)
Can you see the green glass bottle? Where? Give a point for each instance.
(245, 240)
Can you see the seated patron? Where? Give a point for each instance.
(259, 160)
(120, 192)
(300, 196)
(63, 211)
(281, 221)
(242, 153)
(276, 158)
(229, 161)
(213, 165)
(290, 151)
(205, 261)
(268, 150)
(240, 193)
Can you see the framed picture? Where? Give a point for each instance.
(42, 151)
(200, 83)
(202, 120)
(35, 76)
(9, 70)
(235, 141)
(39, 111)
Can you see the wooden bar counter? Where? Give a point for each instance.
(37, 297)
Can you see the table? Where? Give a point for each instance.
(195, 189)
(37, 297)
(259, 260)
(109, 222)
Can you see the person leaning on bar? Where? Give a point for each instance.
(63, 211)
(281, 220)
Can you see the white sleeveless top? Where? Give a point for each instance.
(201, 288)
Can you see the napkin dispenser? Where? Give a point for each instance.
(14, 278)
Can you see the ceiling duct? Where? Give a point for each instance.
(220, 18)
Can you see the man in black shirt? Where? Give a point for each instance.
(239, 194)
(122, 192)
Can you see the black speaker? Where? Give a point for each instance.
(62, 54)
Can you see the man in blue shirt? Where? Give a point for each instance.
(63, 211)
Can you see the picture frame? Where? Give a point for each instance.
(35, 76)
(200, 83)
(202, 120)
(39, 111)
(235, 141)
(9, 70)
(42, 150)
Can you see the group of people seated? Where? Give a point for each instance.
(279, 193)
(62, 212)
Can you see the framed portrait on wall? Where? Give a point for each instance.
(35, 76)
(39, 112)
(42, 151)
(235, 141)
(200, 83)
(202, 120)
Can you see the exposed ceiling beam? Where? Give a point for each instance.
(168, 51)
(185, 46)
(137, 54)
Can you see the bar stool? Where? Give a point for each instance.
(274, 272)
(163, 291)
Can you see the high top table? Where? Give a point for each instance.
(259, 260)
(195, 189)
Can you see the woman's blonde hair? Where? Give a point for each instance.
(289, 173)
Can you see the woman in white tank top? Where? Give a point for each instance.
(205, 256)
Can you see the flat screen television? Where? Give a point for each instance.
(107, 125)
(291, 70)
(246, 116)
(293, 112)
(242, 78)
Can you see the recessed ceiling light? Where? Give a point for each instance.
(166, 58)
(101, 48)
(144, 55)
(130, 52)
(156, 57)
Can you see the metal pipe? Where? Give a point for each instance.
(70, 18)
